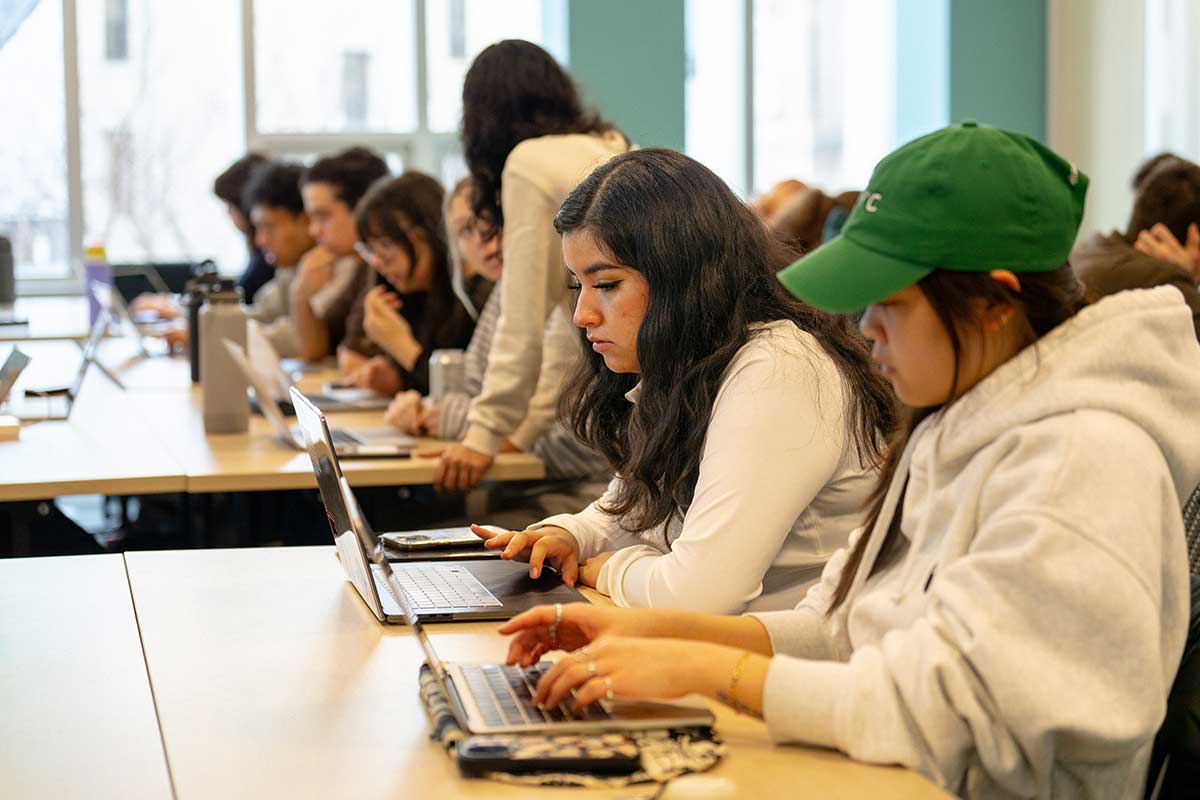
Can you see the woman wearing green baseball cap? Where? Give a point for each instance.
(1010, 620)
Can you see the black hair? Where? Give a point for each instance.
(513, 91)
(413, 200)
(1045, 301)
(275, 185)
(230, 184)
(1168, 194)
(350, 172)
(1149, 165)
(710, 264)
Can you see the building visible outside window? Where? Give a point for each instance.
(116, 30)
(355, 67)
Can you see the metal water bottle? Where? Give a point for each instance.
(447, 372)
(222, 384)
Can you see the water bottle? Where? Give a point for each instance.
(96, 270)
(203, 279)
(8, 282)
(222, 384)
(447, 372)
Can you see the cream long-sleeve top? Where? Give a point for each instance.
(1024, 634)
(780, 487)
(537, 176)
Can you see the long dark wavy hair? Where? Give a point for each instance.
(710, 265)
(514, 91)
(1046, 300)
(413, 201)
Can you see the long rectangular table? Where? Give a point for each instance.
(76, 712)
(272, 679)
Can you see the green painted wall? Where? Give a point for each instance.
(970, 59)
(998, 63)
(629, 58)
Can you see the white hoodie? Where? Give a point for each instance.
(1023, 642)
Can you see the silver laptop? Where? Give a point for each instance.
(381, 442)
(108, 297)
(13, 366)
(498, 698)
(467, 589)
(56, 403)
(263, 356)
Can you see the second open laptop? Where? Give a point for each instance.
(36, 405)
(469, 589)
(13, 366)
(380, 442)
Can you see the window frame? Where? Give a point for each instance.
(421, 148)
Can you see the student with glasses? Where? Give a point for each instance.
(414, 310)
(1010, 619)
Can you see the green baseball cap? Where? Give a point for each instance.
(968, 197)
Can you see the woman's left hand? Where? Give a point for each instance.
(631, 667)
(589, 571)
(378, 375)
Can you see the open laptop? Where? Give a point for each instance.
(498, 698)
(108, 297)
(483, 588)
(56, 403)
(263, 356)
(380, 442)
(13, 366)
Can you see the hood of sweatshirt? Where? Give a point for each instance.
(1133, 354)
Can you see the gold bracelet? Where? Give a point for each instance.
(738, 669)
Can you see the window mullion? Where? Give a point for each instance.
(75, 210)
(748, 92)
(249, 89)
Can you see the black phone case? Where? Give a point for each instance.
(588, 753)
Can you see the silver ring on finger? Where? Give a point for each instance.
(591, 668)
(558, 614)
(608, 689)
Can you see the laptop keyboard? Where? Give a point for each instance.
(340, 436)
(504, 695)
(442, 586)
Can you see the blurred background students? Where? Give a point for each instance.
(413, 310)
(1166, 210)
(229, 187)
(331, 278)
(276, 209)
(528, 140)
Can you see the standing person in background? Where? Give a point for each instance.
(414, 311)
(575, 473)
(229, 187)
(331, 188)
(528, 140)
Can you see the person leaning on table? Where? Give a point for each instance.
(1011, 620)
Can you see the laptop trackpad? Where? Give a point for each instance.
(509, 581)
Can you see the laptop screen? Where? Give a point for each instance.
(266, 402)
(328, 471)
(11, 370)
(89, 351)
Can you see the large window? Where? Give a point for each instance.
(791, 89)
(1172, 77)
(118, 114)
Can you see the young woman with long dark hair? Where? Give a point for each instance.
(528, 140)
(743, 425)
(1010, 620)
(414, 311)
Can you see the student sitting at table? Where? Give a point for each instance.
(414, 310)
(572, 468)
(230, 187)
(527, 140)
(331, 278)
(281, 231)
(1010, 620)
(743, 425)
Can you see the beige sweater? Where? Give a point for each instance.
(538, 175)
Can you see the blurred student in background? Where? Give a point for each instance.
(1166, 210)
(331, 278)
(528, 140)
(414, 310)
(230, 186)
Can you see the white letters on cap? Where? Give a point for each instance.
(872, 203)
